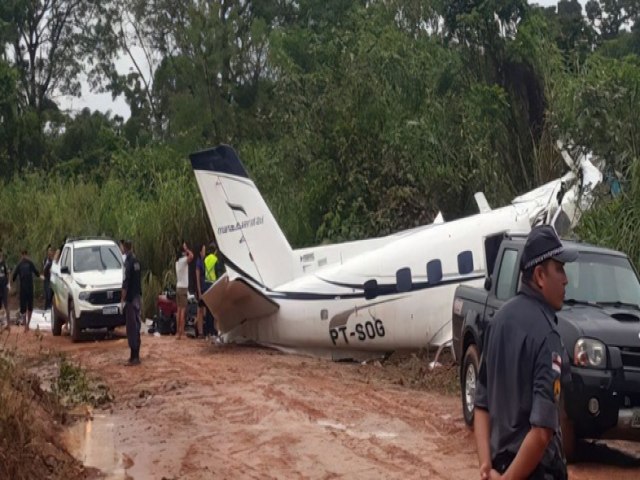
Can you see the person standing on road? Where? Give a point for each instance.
(184, 257)
(4, 289)
(46, 272)
(212, 270)
(200, 289)
(130, 298)
(26, 271)
(517, 405)
(122, 251)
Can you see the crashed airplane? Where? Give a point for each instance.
(361, 299)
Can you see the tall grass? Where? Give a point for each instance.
(149, 196)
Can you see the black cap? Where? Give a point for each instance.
(542, 244)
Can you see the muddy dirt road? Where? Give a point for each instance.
(196, 411)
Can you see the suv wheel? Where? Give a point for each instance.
(56, 322)
(469, 378)
(74, 328)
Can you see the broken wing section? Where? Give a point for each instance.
(234, 301)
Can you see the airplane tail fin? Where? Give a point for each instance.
(248, 236)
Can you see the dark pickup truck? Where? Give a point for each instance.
(599, 325)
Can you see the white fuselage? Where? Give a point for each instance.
(327, 310)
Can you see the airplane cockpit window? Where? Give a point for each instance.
(434, 272)
(370, 289)
(403, 280)
(465, 262)
(506, 276)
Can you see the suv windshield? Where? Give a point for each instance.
(99, 257)
(602, 279)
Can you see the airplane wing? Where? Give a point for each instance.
(233, 301)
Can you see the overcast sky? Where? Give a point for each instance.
(105, 103)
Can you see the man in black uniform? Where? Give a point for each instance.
(517, 418)
(131, 292)
(25, 270)
(4, 288)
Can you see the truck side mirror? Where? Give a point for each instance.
(487, 283)
(65, 270)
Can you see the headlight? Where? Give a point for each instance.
(84, 295)
(590, 353)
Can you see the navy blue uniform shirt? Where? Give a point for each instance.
(132, 281)
(26, 271)
(519, 382)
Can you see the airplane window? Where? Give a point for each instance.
(505, 287)
(434, 272)
(324, 314)
(465, 262)
(370, 289)
(403, 279)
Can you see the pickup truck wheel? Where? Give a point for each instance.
(74, 328)
(56, 321)
(469, 372)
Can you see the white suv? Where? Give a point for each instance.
(87, 284)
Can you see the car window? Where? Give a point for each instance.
(504, 287)
(99, 257)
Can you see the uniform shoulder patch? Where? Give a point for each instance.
(556, 362)
(557, 388)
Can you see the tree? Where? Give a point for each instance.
(8, 114)
(190, 55)
(86, 143)
(609, 16)
(48, 44)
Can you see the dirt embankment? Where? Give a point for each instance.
(197, 411)
(32, 419)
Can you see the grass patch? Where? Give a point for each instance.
(73, 387)
(413, 371)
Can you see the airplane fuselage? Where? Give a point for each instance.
(331, 310)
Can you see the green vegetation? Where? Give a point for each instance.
(72, 387)
(355, 118)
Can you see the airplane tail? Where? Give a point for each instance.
(248, 236)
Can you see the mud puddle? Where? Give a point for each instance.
(92, 442)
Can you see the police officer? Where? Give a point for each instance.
(4, 288)
(517, 424)
(131, 293)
